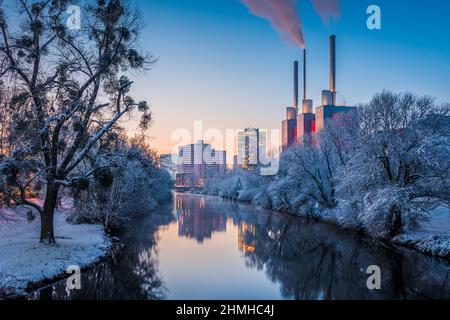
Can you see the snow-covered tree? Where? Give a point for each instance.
(399, 170)
(71, 88)
(127, 181)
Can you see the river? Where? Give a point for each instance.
(205, 247)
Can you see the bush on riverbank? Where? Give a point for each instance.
(383, 171)
(128, 182)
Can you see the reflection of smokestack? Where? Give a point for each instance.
(295, 84)
(333, 67)
(304, 74)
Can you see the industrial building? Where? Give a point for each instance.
(300, 127)
(289, 126)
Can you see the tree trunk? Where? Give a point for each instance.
(47, 234)
(395, 221)
(7, 199)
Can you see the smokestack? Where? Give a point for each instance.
(306, 103)
(333, 67)
(295, 84)
(304, 74)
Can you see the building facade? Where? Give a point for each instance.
(198, 161)
(289, 128)
(252, 149)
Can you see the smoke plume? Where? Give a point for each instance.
(327, 9)
(285, 18)
(282, 15)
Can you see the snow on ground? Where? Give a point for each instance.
(24, 261)
(433, 237)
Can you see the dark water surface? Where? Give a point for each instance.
(203, 247)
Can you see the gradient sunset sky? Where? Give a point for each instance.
(221, 65)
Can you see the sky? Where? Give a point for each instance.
(219, 64)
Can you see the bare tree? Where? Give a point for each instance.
(71, 87)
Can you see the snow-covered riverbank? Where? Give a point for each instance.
(432, 237)
(24, 262)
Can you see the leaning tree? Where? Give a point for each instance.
(70, 90)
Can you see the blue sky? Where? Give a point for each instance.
(230, 69)
(220, 64)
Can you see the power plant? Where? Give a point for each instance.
(289, 126)
(299, 127)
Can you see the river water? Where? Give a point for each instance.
(204, 247)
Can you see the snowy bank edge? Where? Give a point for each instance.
(432, 245)
(436, 246)
(23, 289)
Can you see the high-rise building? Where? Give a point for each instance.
(198, 161)
(252, 150)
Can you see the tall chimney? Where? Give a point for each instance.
(304, 74)
(306, 103)
(295, 84)
(333, 67)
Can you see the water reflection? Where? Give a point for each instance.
(313, 261)
(208, 248)
(129, 273)
(246, 237)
